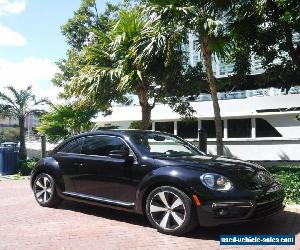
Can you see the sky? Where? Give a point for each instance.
(31, 42)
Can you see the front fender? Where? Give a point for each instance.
(50, 166)
(168, 175)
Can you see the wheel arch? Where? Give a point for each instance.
(166, 181)
(51, 169)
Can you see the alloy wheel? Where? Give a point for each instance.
(43, 189)
(167, 210)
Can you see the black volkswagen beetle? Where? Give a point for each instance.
(157, 174)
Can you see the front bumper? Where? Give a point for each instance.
(217, 212)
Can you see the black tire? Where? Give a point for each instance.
(175, 221)
(44, 183)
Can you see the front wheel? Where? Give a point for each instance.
(45, 191)
(170, 210)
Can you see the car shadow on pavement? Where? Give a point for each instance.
(103, 212)
(286, 222)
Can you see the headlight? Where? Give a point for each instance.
(216, 182)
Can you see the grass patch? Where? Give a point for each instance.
(14, 177)
(289, 178)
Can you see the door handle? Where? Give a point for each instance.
(78, 164)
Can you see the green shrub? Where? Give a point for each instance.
(9, 134)
(27, 166)
(289, 178)
(138, 125)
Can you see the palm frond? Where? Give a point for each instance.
(14, 91)
(43, 101)
(6, 110)
(6, 99)
(36, 112)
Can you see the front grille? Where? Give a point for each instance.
(268, 208)
(259, 180)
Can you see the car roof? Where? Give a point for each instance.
(115, 132)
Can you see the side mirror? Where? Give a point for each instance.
(121, 154)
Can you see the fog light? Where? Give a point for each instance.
(222, 211)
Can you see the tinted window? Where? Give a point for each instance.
(210, 128)
(73, 147)
(102, 145)
(265, 129)
(239, 128)
(187, 129)
(165, 127)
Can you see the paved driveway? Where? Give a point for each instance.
(26, 225)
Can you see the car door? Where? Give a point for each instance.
(69, 159)
(102, 176)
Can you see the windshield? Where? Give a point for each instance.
(162, 145)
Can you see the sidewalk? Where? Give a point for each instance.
(26, 225)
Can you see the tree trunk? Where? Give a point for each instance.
(23, 151)
(207, 53)
(146, 115)
(292, 51)
(146, 108)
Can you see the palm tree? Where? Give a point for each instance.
(20, 104)
(207, 19)
(127, 32)
(113, 66)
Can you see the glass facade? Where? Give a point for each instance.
(165, 127)
(236, 128)
(187, 129)
(239, 128)
(220, 68)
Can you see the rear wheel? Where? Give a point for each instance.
(45, 190)
(170, 210)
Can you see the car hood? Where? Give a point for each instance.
(251, 174)
(211, 162)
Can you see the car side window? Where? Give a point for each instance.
(102, 145)
(74, 147)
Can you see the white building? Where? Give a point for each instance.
(261, 125)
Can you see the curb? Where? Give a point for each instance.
(297, 206)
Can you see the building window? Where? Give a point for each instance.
(187, 129)
(222, 69)
(165, 127)
(195, 45)
(196, 59)
(230, 68)
(209, 127)
(239, 128)
(265, 129)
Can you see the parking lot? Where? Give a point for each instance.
(26, 225)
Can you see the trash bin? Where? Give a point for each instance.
(10, 145)
(9, 160)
